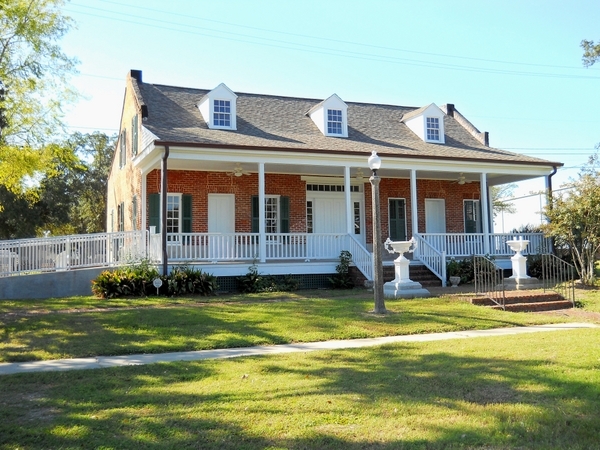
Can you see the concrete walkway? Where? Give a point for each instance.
(134, 360)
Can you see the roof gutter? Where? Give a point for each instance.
(549, 199)
(163, 217)
(160, 143)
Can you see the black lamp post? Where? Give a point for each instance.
(374, 165)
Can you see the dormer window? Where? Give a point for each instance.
(433, 129)
(427, 123)
(222, 113)
(218, 108)
(334, 121)
(331, 117)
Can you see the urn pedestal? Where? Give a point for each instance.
(520, 279)
(402, 286)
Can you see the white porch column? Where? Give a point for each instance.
(414, 213)
(142, 206)
(261, 212)
(485, 213)
(348, 197)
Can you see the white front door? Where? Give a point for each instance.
(435, 215)
(330, 215)
(221, 220)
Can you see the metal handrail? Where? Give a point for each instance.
(489, 280)
(558, 276)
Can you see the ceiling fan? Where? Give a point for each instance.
(462, 179)
(359, 175)
(238, 171)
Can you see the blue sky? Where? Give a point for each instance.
(513, 68)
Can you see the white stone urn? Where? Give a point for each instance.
(401, 263)
(454, 281)
(402, 286)
(519, 262)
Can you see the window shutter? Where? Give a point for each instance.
(255, 214)
(284, 207)
(134, 135)
(154, 211)
(122, 216)
(397, 215)
(123, 152)
(134, 213)
(472, 216)
(186, 209)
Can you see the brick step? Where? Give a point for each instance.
(420, 274)
(517, 299)
(537, 306)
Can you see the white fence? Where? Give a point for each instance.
(463, 245)
(213, 247)
(25, 256)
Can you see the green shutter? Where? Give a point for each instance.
(123, 152)
(122, 216)
(397, 216)
(284, 221)
(134, 213)
(472, 216)
(186, 207)
(154, 211)
(134, 135)
(255, 214)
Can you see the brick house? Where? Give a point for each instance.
(284, 181)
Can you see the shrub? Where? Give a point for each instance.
(188, 281)
(342, 279)
(464, 269)
(254, 282)
(136, 281)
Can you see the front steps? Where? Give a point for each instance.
(526, 301)
(417, 272)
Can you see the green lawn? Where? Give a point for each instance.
(526, 391)
(36, 330)
(537, 391)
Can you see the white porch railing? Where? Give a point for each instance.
(463, 245)
(361, 257)
(431, 257)
(24, 256)
(213, 247)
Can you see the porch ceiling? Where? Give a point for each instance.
(448, 174)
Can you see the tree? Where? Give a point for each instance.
(591, 53)
(499, 194)
(574, 220)
(34, 87)
(73, 196)
(70, 198)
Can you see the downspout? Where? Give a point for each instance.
(549, 201)
(163, 217)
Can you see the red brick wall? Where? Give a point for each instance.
(125, 182)
(453, 193)
(200, 184)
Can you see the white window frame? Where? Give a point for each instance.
(432, 128)
(476, 211)
(225, 116)
(336, 124)
(174, 238)
(271, 200)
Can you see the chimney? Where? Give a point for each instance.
(137, 74)
(450, 109)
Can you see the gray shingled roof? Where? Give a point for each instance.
(266, 121)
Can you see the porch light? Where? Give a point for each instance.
(374, 165)
(374, 162)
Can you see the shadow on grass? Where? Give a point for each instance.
(398, 396)
(157, 330)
